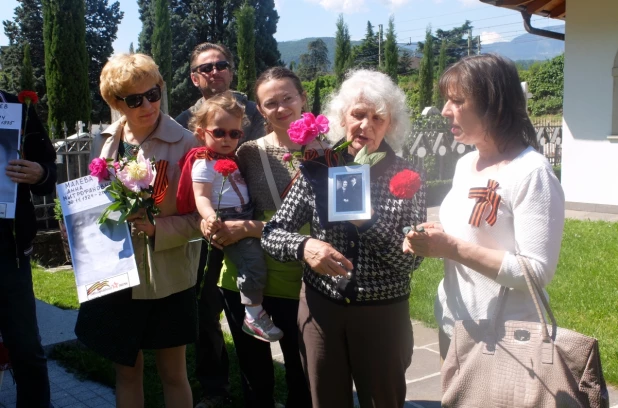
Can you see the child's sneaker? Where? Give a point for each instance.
(262, 328)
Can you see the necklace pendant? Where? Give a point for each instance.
(134, 150)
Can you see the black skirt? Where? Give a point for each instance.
(117, 327)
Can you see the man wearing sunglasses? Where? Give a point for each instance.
(212, 71)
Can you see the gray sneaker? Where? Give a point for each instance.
(262, 328)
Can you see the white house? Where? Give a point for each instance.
(590, 124)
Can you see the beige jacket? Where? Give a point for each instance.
(172, 259)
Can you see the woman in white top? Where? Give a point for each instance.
(505, 200)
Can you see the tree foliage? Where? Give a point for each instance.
(343, 49)
(316, 107)
(102, 22)
(25, 28)
(391, 52)
(315, 62)
(66, 62)
(547, 87)
(162, 44)
(426, 73)
(405, 60)
(366, 55)
(245, 18)
(437, 98)
(26, 79)
(197, 21)
(456, 40)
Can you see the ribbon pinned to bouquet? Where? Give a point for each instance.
(486, 196)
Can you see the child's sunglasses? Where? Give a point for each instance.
(136, 100)
(219, 133)
(208, 67)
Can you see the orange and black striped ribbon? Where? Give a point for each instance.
(485, 196)
(160, 184)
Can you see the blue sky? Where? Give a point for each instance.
(316, 18)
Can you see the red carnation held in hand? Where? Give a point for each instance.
(405, 184)
(225, 167)
(28, 97)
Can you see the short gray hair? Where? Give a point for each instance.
(378, 89)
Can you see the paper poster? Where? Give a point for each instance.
(10, 127)
(102, 254)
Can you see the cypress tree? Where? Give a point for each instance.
(426, 73)
(391, 53)
(131, 49)
(162, 44)
(317, 104)
(245, 21)
(26, 79)
(437, 98)
(66, 63)
(343, 49)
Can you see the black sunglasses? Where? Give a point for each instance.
(136, 100)
(208, 67)
(219, 133)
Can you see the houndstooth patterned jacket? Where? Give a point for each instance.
(381, 270)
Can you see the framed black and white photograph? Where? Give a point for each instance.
(349, 193)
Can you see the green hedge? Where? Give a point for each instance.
(438, 189)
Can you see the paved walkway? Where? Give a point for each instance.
(56, 326)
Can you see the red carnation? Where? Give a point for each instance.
(405, 184)
(225, 167)
(28, 97)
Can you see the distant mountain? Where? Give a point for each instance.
(291, 50)
(529, 46)
(523, 47)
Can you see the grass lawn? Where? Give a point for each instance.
(583, 293)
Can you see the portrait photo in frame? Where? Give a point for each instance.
(349, 194)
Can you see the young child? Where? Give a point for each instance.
(217, 125)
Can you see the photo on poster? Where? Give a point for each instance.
(10, 130)
(9, 140)
(97, 249)
(102, 254)
(349, 195)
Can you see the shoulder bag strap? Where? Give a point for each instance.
(261, 142)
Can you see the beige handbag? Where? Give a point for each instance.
(499, 364)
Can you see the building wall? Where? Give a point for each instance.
(590, 159)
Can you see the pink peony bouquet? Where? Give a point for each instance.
(131, 186)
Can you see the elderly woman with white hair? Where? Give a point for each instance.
(353, 313)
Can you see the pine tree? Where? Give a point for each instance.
(437, 97)
(316, 107)
(245, 18)
(27, 27)
(391, 52)
(366, 54)
(343, 49)
(405, 60)
(66, 63)
(26, 79)
(426, 73)
(162, 44)
(102, 20)
(315, 62)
